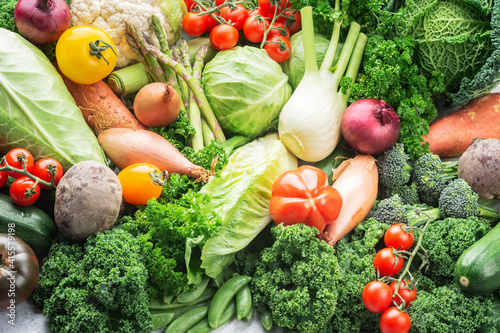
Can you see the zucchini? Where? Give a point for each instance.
(29, 223)
(477, 271)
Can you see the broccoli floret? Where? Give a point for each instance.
(393, 167)
(459, 200)
(296, 278)
(98, 287)
(445, 240)
(448, 309)
(431, 175)
(393, 210)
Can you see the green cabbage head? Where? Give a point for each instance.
(246, 90)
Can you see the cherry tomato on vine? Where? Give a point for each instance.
(224, 37)
(279, 29)
(254, 28)
(219, 2)
(255, 12)
(236, 16)
(211, 22)
(15, 158)
(189, 4)
(394, 320)
(396, 237)
(403, 291)
(42, 168)
(386, 262)
(23, 191)
(269, 9)
(194, 24)
(4, 177)
(137, 183)
(377, 296)
(278, 48)
(292, 20)
(85, 54)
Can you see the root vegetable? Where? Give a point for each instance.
(125, 146)
(157, 104)
(479, 166)
(88, 200)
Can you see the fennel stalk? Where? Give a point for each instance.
(309, 123)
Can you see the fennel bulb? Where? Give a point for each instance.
(309, 123)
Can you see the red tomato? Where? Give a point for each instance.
(268, 9)
(138, 186)
(189, 4)
(4, 177)
(42, 169)
(386, 262)
(254, 28)
(235, 16)
(304, 196)
(194, 24)
(403, 291)
(278, 48)
(279, 29)
(24, 192)
(396, 237)
(394, 320)
(211, 22)
(255, 12)
(16, 158)
(219, 2)
(291, 19)
(224, 37)
(377, 296)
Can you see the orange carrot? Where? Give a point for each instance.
(450, 135)
(100, 107)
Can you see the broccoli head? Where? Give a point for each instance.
(445, 240)
(393, 167)
(296, 278)
(431, 175)
(393, 210)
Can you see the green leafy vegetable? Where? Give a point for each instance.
(246, 90)
(36, 110)
(241, 195)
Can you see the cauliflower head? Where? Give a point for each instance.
(111, 15)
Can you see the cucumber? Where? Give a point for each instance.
(477, 271)
(29, 223)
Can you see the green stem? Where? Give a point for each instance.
(334, 42)
(129, 79)
(347, 51)
(195, 120)
(207, 134)
(356, 57)
(310, 63)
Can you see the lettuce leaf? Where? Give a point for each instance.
(37, 112)
(241, 195)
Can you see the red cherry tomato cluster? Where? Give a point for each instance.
(378, 296)
(224, 22)
(25, 189)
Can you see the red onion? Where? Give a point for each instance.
(370, 126)
(42, 21)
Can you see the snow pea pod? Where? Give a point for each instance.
(223, 296)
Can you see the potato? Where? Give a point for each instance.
(88, 199)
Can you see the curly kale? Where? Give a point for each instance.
(355, 253)
(98, 287)
(296, 278)
(448, 309)
(445, 240)
(7, 15)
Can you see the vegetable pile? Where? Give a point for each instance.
(189, 166)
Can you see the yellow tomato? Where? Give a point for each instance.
(85, 54)
(137, 183)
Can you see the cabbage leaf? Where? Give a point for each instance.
(241, 196)
(37, 112)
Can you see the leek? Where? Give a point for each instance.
(309, 123)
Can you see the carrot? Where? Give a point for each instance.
(100, 107)
(450, 135)
(126, 146)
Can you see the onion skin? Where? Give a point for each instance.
(356, 180)
(126, 146)
(157, 104)
(42, 21)
(370, 126)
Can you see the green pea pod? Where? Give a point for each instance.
(219, 279)
(249, 314)
(161, 319)
(192, 295)
(266, 319)
(168, 297)
(187, 320)
(223, 296)
(243, 302)
(204, 327)
(159, 305)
